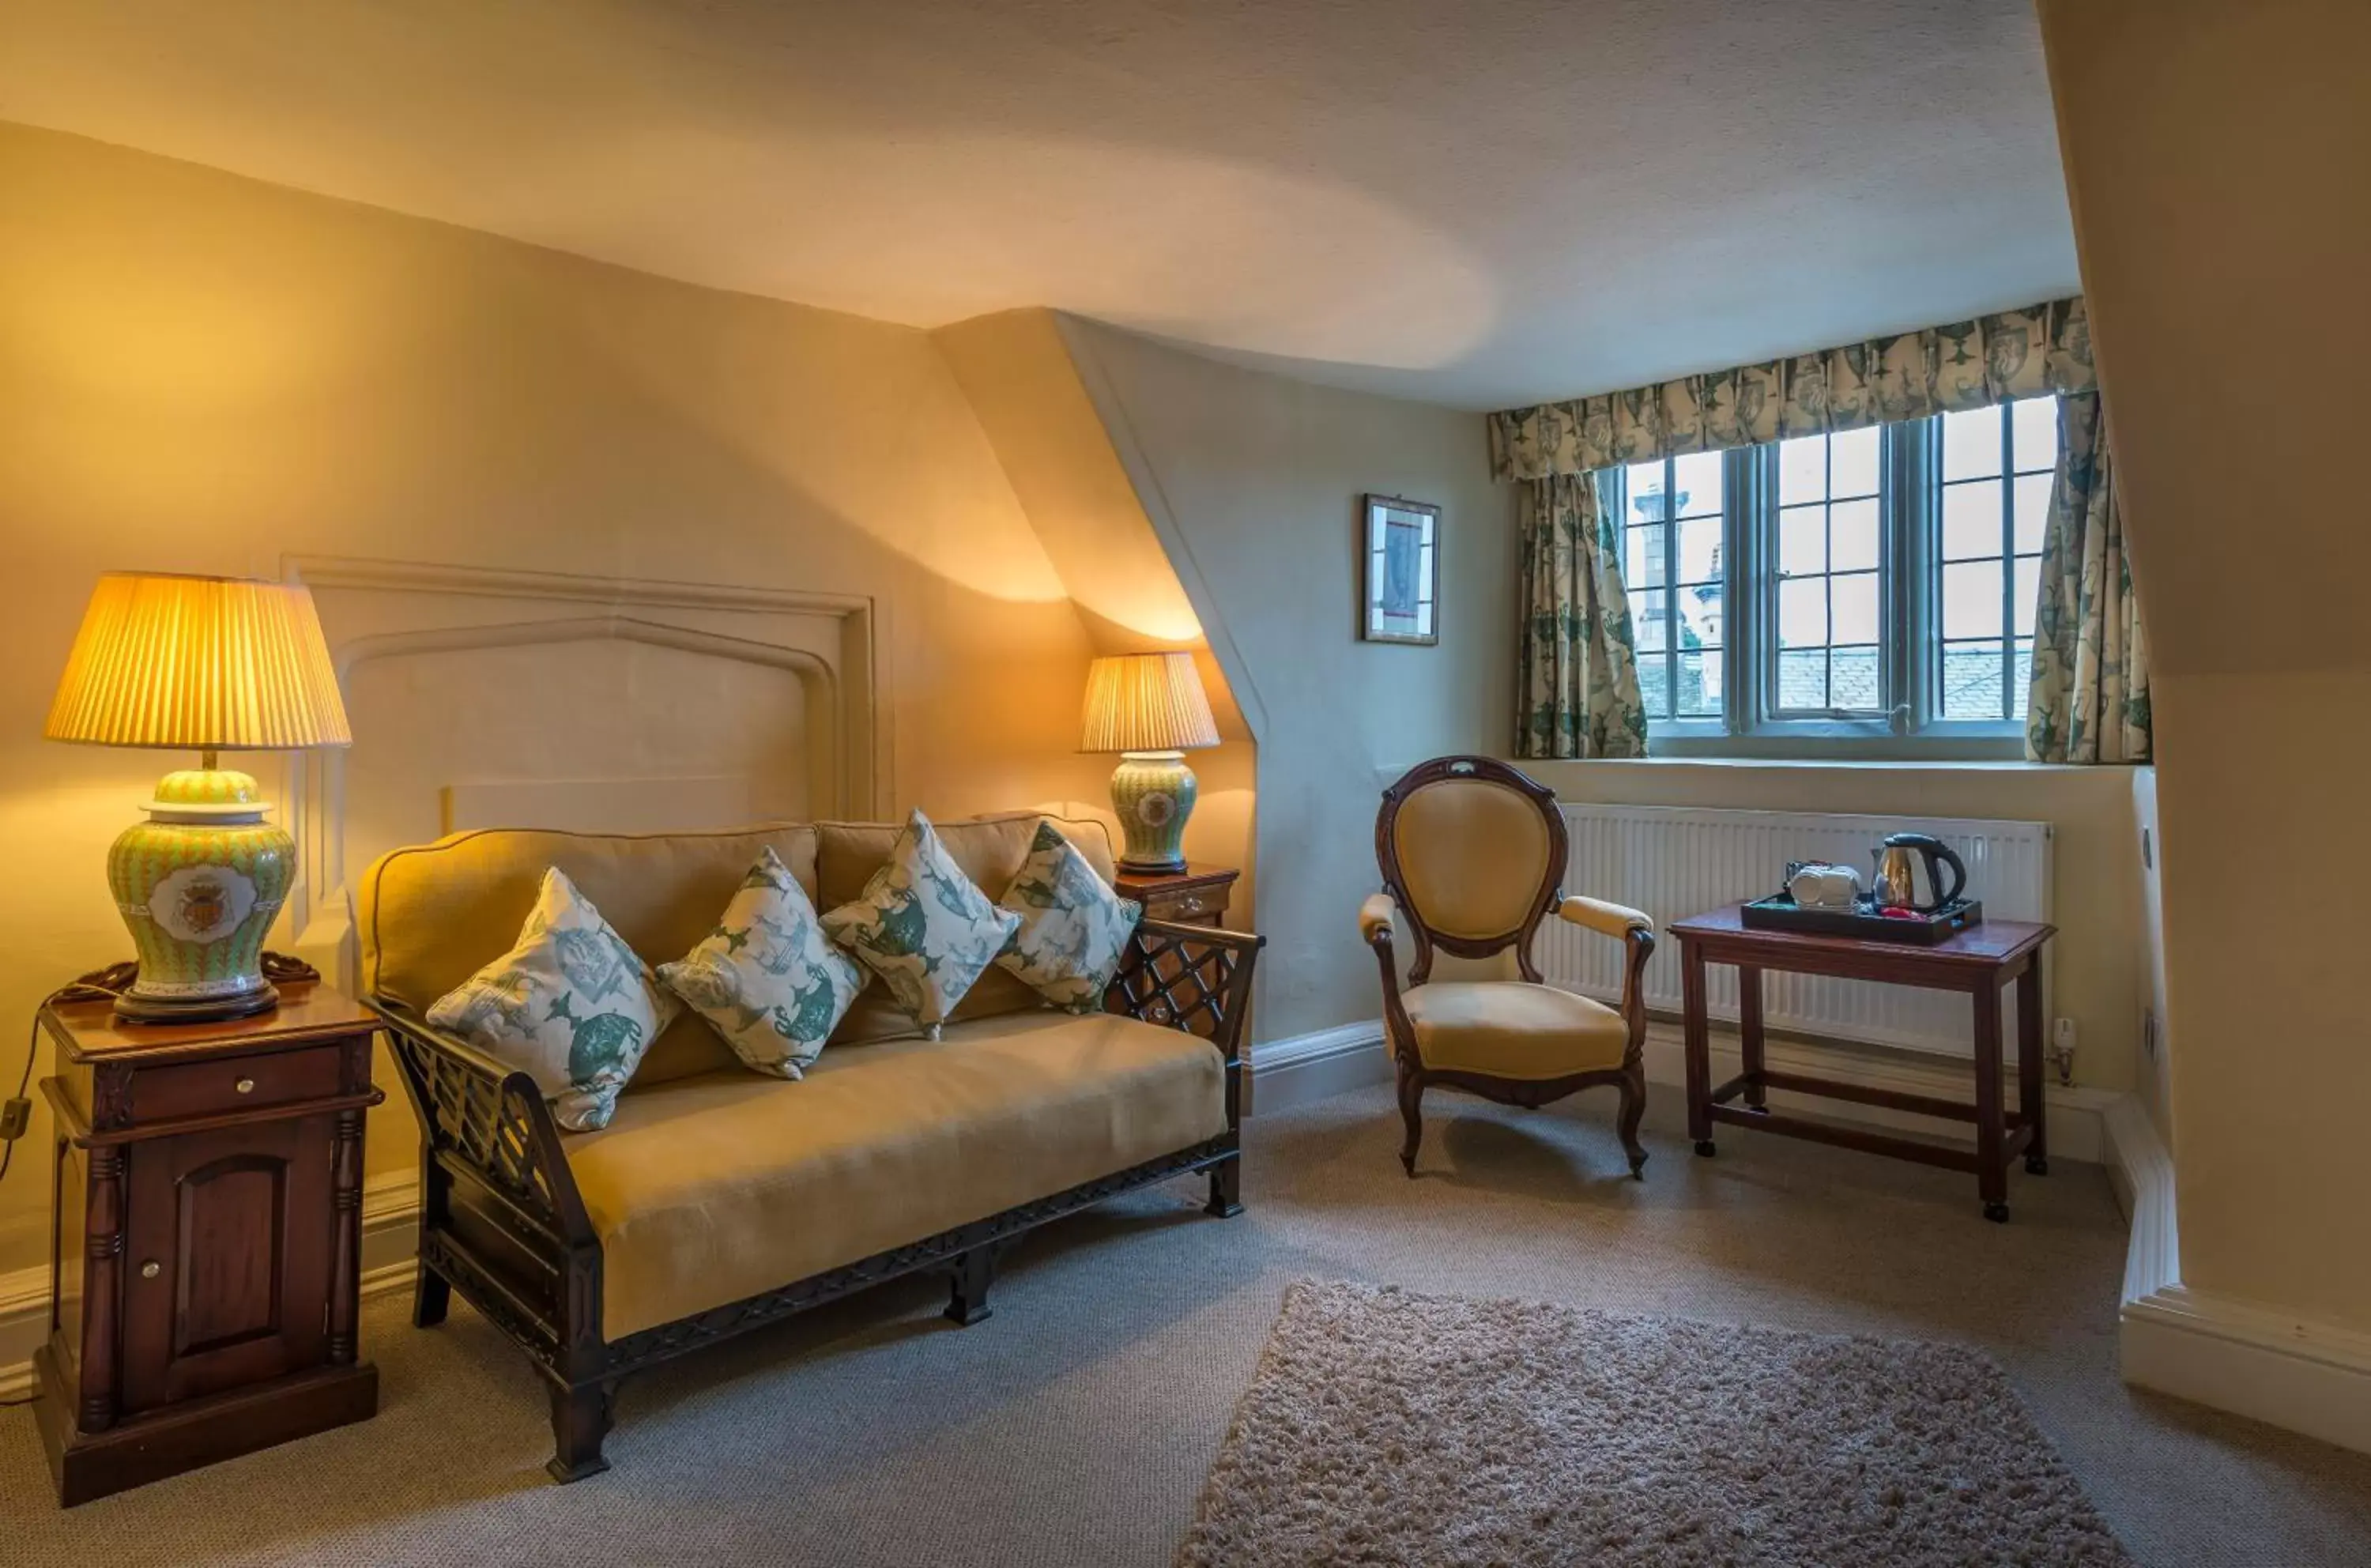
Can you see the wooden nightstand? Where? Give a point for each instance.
(207, 1250)
(1195, 896)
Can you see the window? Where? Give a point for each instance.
(1993, 490)
(1875, 585)
(1673, 528)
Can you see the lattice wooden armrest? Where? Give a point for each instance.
(487, 1119)
(1195, 978)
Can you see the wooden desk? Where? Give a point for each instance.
(1979, 961)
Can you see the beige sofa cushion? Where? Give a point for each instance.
(430, 916)
(712, 1189)
(990, 851)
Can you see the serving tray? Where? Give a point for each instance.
(1780, 913)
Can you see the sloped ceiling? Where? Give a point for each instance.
(1478, 203)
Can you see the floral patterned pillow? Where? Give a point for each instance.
(1074, 928)
(767, 978)
(571, 1004)
(923, 927)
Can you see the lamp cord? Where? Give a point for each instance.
(102, 985)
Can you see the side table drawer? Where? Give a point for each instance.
(1195, 906)
(246, 1083)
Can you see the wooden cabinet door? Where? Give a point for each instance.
(226, 1258)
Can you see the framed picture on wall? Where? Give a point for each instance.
(1399, 557)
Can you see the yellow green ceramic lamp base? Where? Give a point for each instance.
(199, 884)
(1153, 794)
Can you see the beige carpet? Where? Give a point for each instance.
(1389, 1427)
(1075, 1428)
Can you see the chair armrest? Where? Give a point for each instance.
(486, 1120)
(1375, 917)
(1608, 919)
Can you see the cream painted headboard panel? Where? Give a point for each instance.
(511, 698)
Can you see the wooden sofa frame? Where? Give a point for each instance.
(502, 1222)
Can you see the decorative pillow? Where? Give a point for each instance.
(923, 927)
(1073, 926)
(767, 979)
(571, 1004)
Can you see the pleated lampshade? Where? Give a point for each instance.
(1146, 702)
(199, 664)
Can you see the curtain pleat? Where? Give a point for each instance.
(1577, 668)
(2090, 698)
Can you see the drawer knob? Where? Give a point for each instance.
(1189, 906)
(151, 1269)
(245, 1086)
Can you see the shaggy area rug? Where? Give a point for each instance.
(1389, 1427)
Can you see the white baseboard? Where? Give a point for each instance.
(1303, 1068)
(2243, 1357)
(390, 1219)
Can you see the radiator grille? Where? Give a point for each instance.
(1676, 861)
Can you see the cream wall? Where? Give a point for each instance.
(2094, 855)
(1016, 369)
(2216, 159)
(200, 373)
(1252, 482)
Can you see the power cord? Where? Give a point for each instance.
(15, 1113)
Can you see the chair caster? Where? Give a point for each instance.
(1996, 1213)
(2035, 1165)
(1704, 1147)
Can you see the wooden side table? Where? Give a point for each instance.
(1978, 961)
(207, 1250)
(1195, 896)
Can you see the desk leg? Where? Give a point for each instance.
(1991, 1180)
(2029, 1064)
(1699, 1046)
(1749, 1031)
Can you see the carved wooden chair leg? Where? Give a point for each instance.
(580, 1419)
(1411, 1111)
(431, 1293)
(1634, 1106)
(1226, 1189)
(974, 1272)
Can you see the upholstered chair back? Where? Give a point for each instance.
(1472, 850)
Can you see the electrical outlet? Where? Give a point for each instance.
(14, 1117)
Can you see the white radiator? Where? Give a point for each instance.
(1676, 861)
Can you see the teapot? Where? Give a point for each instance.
(1896, 885)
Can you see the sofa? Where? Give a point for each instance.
(717, 1200)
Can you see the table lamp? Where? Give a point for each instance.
(206, 665)
(1149, 708)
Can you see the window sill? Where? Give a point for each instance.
(1826, 750)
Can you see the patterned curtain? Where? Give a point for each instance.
(1906, 375)
(2089, 699)
(1575, 669)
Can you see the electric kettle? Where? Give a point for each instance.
(1896, 885)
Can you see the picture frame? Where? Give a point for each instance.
(1399, 570)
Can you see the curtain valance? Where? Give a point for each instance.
(1967, 364)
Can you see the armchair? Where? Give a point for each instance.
(1472, 852)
